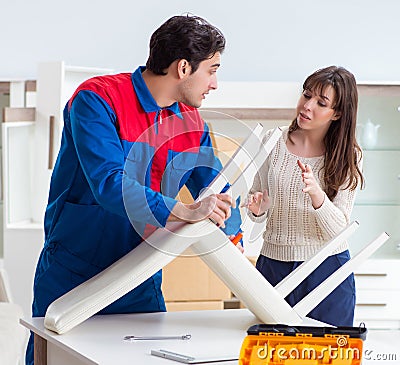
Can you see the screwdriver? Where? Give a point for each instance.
(155, 338)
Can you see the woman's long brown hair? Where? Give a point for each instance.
(342, 152)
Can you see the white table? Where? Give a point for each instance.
(99, 340)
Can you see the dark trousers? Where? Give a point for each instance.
(337, 308)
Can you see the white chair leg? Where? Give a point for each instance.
(316, 296)
(243, 155)
(124, 275)
(290, 282)
(245, 281)
(244, 181)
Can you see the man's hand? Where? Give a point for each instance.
(216, 207)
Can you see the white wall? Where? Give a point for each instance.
(267, 40)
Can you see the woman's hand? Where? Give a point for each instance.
(311, 185)
(258, 203)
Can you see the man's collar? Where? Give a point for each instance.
(146, 100)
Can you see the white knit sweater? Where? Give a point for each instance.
(294, 229)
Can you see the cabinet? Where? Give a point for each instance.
(377, 207)
(56, 82)
(12, 94)
(17, 127)
(30, 149)
(189, 284)
(22, 237)
(378, 294)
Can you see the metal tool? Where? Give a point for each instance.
(155, 338)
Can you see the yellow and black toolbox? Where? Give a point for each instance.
(302, 345)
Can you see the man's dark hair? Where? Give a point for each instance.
(185, 36)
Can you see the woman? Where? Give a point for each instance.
(306, 188)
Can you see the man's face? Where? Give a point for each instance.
(197, 85)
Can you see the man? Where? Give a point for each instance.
(130, 142)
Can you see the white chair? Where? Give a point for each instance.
(215, 249)
(12, 334)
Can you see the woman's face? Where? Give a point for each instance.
(315, 111)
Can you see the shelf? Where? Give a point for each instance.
(396, 149)
(248, 113)
(379, 89)
(254, 95)
(378, 122)
(375, 219)
(377, 204)
(4, 87)
(18, 148)
(382, 183)
(15, 115)
(25, 225)
(18, 124)
(88, 70)
(378, 83)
